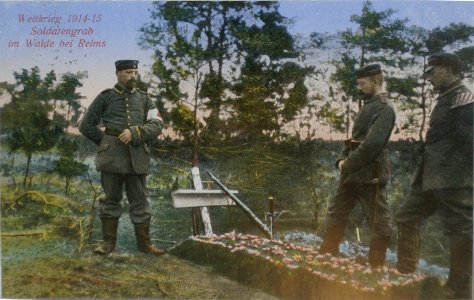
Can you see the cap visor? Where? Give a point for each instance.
(427, 71)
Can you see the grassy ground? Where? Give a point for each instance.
(120, 275)
(46, 251)
(57, 261)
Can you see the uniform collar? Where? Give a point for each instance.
(119, 88)
(374, 97)
(453, 86)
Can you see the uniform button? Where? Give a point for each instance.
(126, 104)
(129, 124)
(126, 98)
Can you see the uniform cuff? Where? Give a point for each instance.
(136, 135)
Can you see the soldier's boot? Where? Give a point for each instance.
(408, 252)
(378, 250)
(142, 232)
(109, 233)
(332, 239)
(460, 272)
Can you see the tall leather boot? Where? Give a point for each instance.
(332, 239)
(378, 250)
(109, 233)
(460, 272)
(142, 232)
(408, 252)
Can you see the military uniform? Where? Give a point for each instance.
(122, 164)
(364, 176)
(443, 181)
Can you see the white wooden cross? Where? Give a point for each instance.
(201, 198)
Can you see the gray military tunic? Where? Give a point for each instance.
(443, 179)
(366, 169)
(121, 164)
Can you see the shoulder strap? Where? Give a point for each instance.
(105, 91)
(388, 101)
(461, 99)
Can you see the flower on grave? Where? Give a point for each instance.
(253, 252)
(292, 266)
(287, 260)
(332, 277)
(297, 258)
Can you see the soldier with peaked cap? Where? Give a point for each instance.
(131, 120)
(365, 169)
(443, 179)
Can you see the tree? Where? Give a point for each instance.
(418, 98)
(67, 167)
(270, 88)
(27, 118)
(344, 75)
(185, 49)
(69, 99)
(32, 120)
(378, 39)
(203, 52)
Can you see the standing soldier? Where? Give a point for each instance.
(365, 169)
(131, 120)
(443, 180)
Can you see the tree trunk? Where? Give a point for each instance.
(423, 105)
(348, 121)
(28, 161)
(13, 168)
(67, 118)
(68, 179)
(195, 160)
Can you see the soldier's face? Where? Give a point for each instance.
(366, 85)
(128, 77)
(438, 77)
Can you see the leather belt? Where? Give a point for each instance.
(113, 132)
(352, 144)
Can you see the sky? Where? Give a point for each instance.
(116, 24)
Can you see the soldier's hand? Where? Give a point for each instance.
(126, 136)
(340, 165)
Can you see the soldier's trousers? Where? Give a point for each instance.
(135, 187)
(455, 207)
(374, 202)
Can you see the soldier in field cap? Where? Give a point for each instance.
(365, 169)
(443, 179)
(131, 121)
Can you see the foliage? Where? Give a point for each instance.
(454, 33)
(68, 98)
(224, 60)
(29, 119)
(67, 167)
(26, 212)
(26, 118)
(421, 44)
(403, 53)
(376, 33)
(377, 39)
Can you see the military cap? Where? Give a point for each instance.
(446, 59)
(368, 70)
(126, 64)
